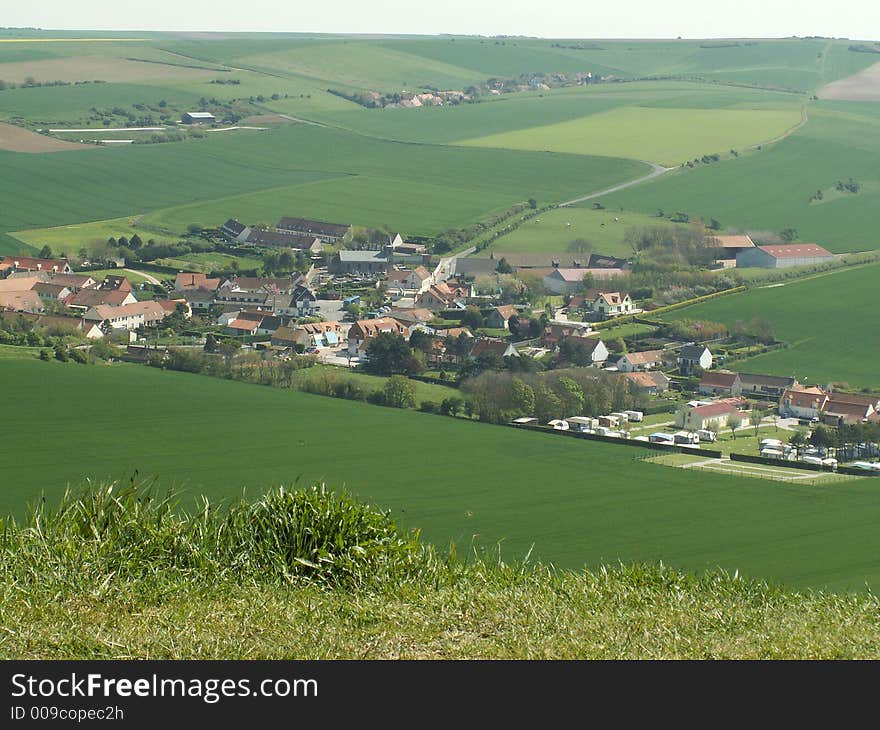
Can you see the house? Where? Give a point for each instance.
(188, 281)
(764, 385)
(501, 348)
(566, 281)
(360, 262)
(239, 327)
(51, 292)
(410, 317)
(74, 282)
(783, 255)
(651, 382)
(417, 280)
(499, 317)
(170, 306)
(127, 316)
(647, 360)
(326, 232)
(21, 301)
(595, 348)
(846, 408)
(555, 332)
(198, 118)
(315, 334)
(728, 247)
(720, 382)
(85, 299)
(198, 299)
(800, 402)
(15, 264)
(444, 295)
(693, 356)
(57, 323)
(235, 231)
(364, 330)
(712, 416)
(612, 304)
(112, 282)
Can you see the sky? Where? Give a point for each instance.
(857, 19)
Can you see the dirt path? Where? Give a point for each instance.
(655, 172)
(150, 279)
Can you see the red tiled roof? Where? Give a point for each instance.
(718, 379)
(642, 358)
(795, 250)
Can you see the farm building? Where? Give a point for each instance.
(783, 255)
(847, 408)
(273, 238)
(327, 232)
(729, 247)
(766, 385)
(694, 356)
(700, 415)
(360, 262)
(566, 281)
(720, 382)
(198, 118)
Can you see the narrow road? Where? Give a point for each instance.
(150, 279)
(655, 172)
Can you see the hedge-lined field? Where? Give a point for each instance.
(577, 503)
(831, 322)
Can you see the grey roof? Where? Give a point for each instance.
(362, 256)
(233, 226)
(692, 352)
(274, 237)
(475, 267)
(773, 380)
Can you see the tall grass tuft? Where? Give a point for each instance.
(128, 531)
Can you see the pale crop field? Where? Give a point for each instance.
(666, 136)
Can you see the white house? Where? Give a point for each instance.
(633, 361)
(693, 356)
(802, 403)
(699, 415)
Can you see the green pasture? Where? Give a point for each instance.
(575, 503)
(555, 230)
(667, 136)
(831, 322)
(770, 189)
(207, 262)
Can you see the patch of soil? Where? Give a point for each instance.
(18, 139)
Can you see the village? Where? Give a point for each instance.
(393, 308)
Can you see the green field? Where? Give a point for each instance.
(577, 503)
(208, 262)
(415, 188)
(666, 136)
(554, 231)
(771, 189)
(831, 322)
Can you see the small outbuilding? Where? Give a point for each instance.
(198, 118)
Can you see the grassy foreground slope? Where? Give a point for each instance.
(831, 322)
(572, 503)
(116, 571)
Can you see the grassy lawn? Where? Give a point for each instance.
(667, 136)
(831, 323)
(424, 391)
(578, 503)
(207, 262)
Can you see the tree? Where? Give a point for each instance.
(788, 234)
(523, 397)
(210, 343)
(821, 437)
(714, 224)
(798, 439)
(472, 317)
(533, 204)
(571, 395)
(399, 392)
(503, 267)
(45, 252)
(387, 353)
(548, 405)
(734, 422)
(451, 406)
(421, 340)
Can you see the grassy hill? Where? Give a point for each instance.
(119, 571)
(568, 502)
(831, 323)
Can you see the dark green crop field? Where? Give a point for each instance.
(831, 322)
(577, 503)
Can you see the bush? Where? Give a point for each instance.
(428, 406)
(78, 356)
